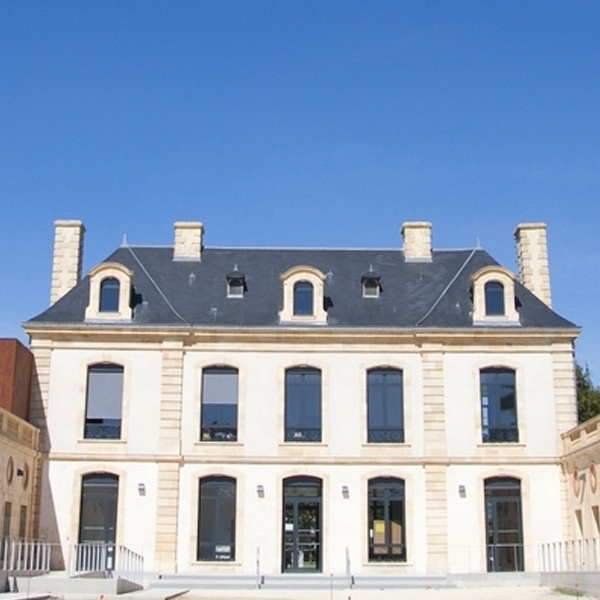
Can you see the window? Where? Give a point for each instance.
(216, 519)
(303, 405)
(494, 298)
(219, 404)
(385, 406)
(498, 405)
(23, 522)
(109, 295)
(6, 520)
(503, 524)
(104, 402)
(371, 287)
(236, 285)
(387, 533)
(303, 298)
(98, 512)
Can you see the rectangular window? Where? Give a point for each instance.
(216, 519)
(104, 402)
(498, 406)
(385, 406)
(302, 405)
(23, 522)
(219, 405)
(6, 520)
(386, 520)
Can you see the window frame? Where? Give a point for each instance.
(490, 402)
(298, 399)
(97, 276)
(93, 423)
(228, 434)
(394, 434)
(109, 296)
(218, 540)
(392, 551)
(494, 298)
(312, 276)
(304, 298)
(479, 281)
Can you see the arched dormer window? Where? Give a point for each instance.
(110, 293)
(494, 297)
(303, 296)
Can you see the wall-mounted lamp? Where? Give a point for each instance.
(142, 489)
(345, 492)
(260, 491)
(462, 491)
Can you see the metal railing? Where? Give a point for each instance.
(575, 555)
(110, 560)
(24, 556)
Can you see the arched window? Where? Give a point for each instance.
(109, 295)
(303, 298)
(385, 406)
(216, 519)
(219, 404)
(387, 531)
(503, 524)
(303, 405)
(494, 298)
(104, 402)
(498, 405)
(98, 515)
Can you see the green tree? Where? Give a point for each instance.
(588, 395)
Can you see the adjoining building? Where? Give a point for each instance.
(392, 410)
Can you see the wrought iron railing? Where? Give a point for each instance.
(29, 556)
(303, 434)
(389, 435)
(505, 557)
(109, 559)
(575, 555)
(500, 434)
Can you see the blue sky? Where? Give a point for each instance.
(301, 123)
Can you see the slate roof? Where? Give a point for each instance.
(434, 294)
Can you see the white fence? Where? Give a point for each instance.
(110, 560)
(24, 556)
(577, 555)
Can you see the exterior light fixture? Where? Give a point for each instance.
(260, 491)
(142, 489)
(345, 492)
(462, 491)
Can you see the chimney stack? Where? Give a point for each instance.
(416, 241)
(532, 258)
(67, 257)
(188, 240)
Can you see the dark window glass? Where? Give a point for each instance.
(498, 405)
(303, 405)
(387, 533)
(219, 404)
(235, 288)
(109, 295)
(370, 288)
(385, 406)
(303, 298)
(6, 520)
(494, 298)
(104, 401)
(98, 514)
(216, 519)
(23, 522)
(503, 524)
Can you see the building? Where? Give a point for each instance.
(374, 411)
(18, 446)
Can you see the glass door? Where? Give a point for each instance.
(301, 525)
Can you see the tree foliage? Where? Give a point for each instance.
(588, 395)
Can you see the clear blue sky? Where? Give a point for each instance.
(301, 123)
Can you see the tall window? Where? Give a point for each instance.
(98, 514)
(387, 535)
(6, 519)
(498, 405)
(303, 405)
(23, 522)
(303, 298)
(503, 524)
(219, 404)
(104, 401)
(216, 519)
(494, 298)
(109, 295)
(385, 406)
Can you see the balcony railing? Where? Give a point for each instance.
(575, 555)
(25, 556)
(219, 434)
(500, 434)
(107, 559)
(505, 557)
(389, 435)
(303, 434)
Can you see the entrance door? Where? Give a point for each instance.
(97, 522)
(503, 524)
(301, 524)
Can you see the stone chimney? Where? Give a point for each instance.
(416, 236)
(67, 258)
(532, 258)
(188, 240)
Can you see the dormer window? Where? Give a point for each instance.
(303, 296)
(110, 293)
(236, 284)
(371, 287)
(494, 297)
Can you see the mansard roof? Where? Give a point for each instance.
(435, 294)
